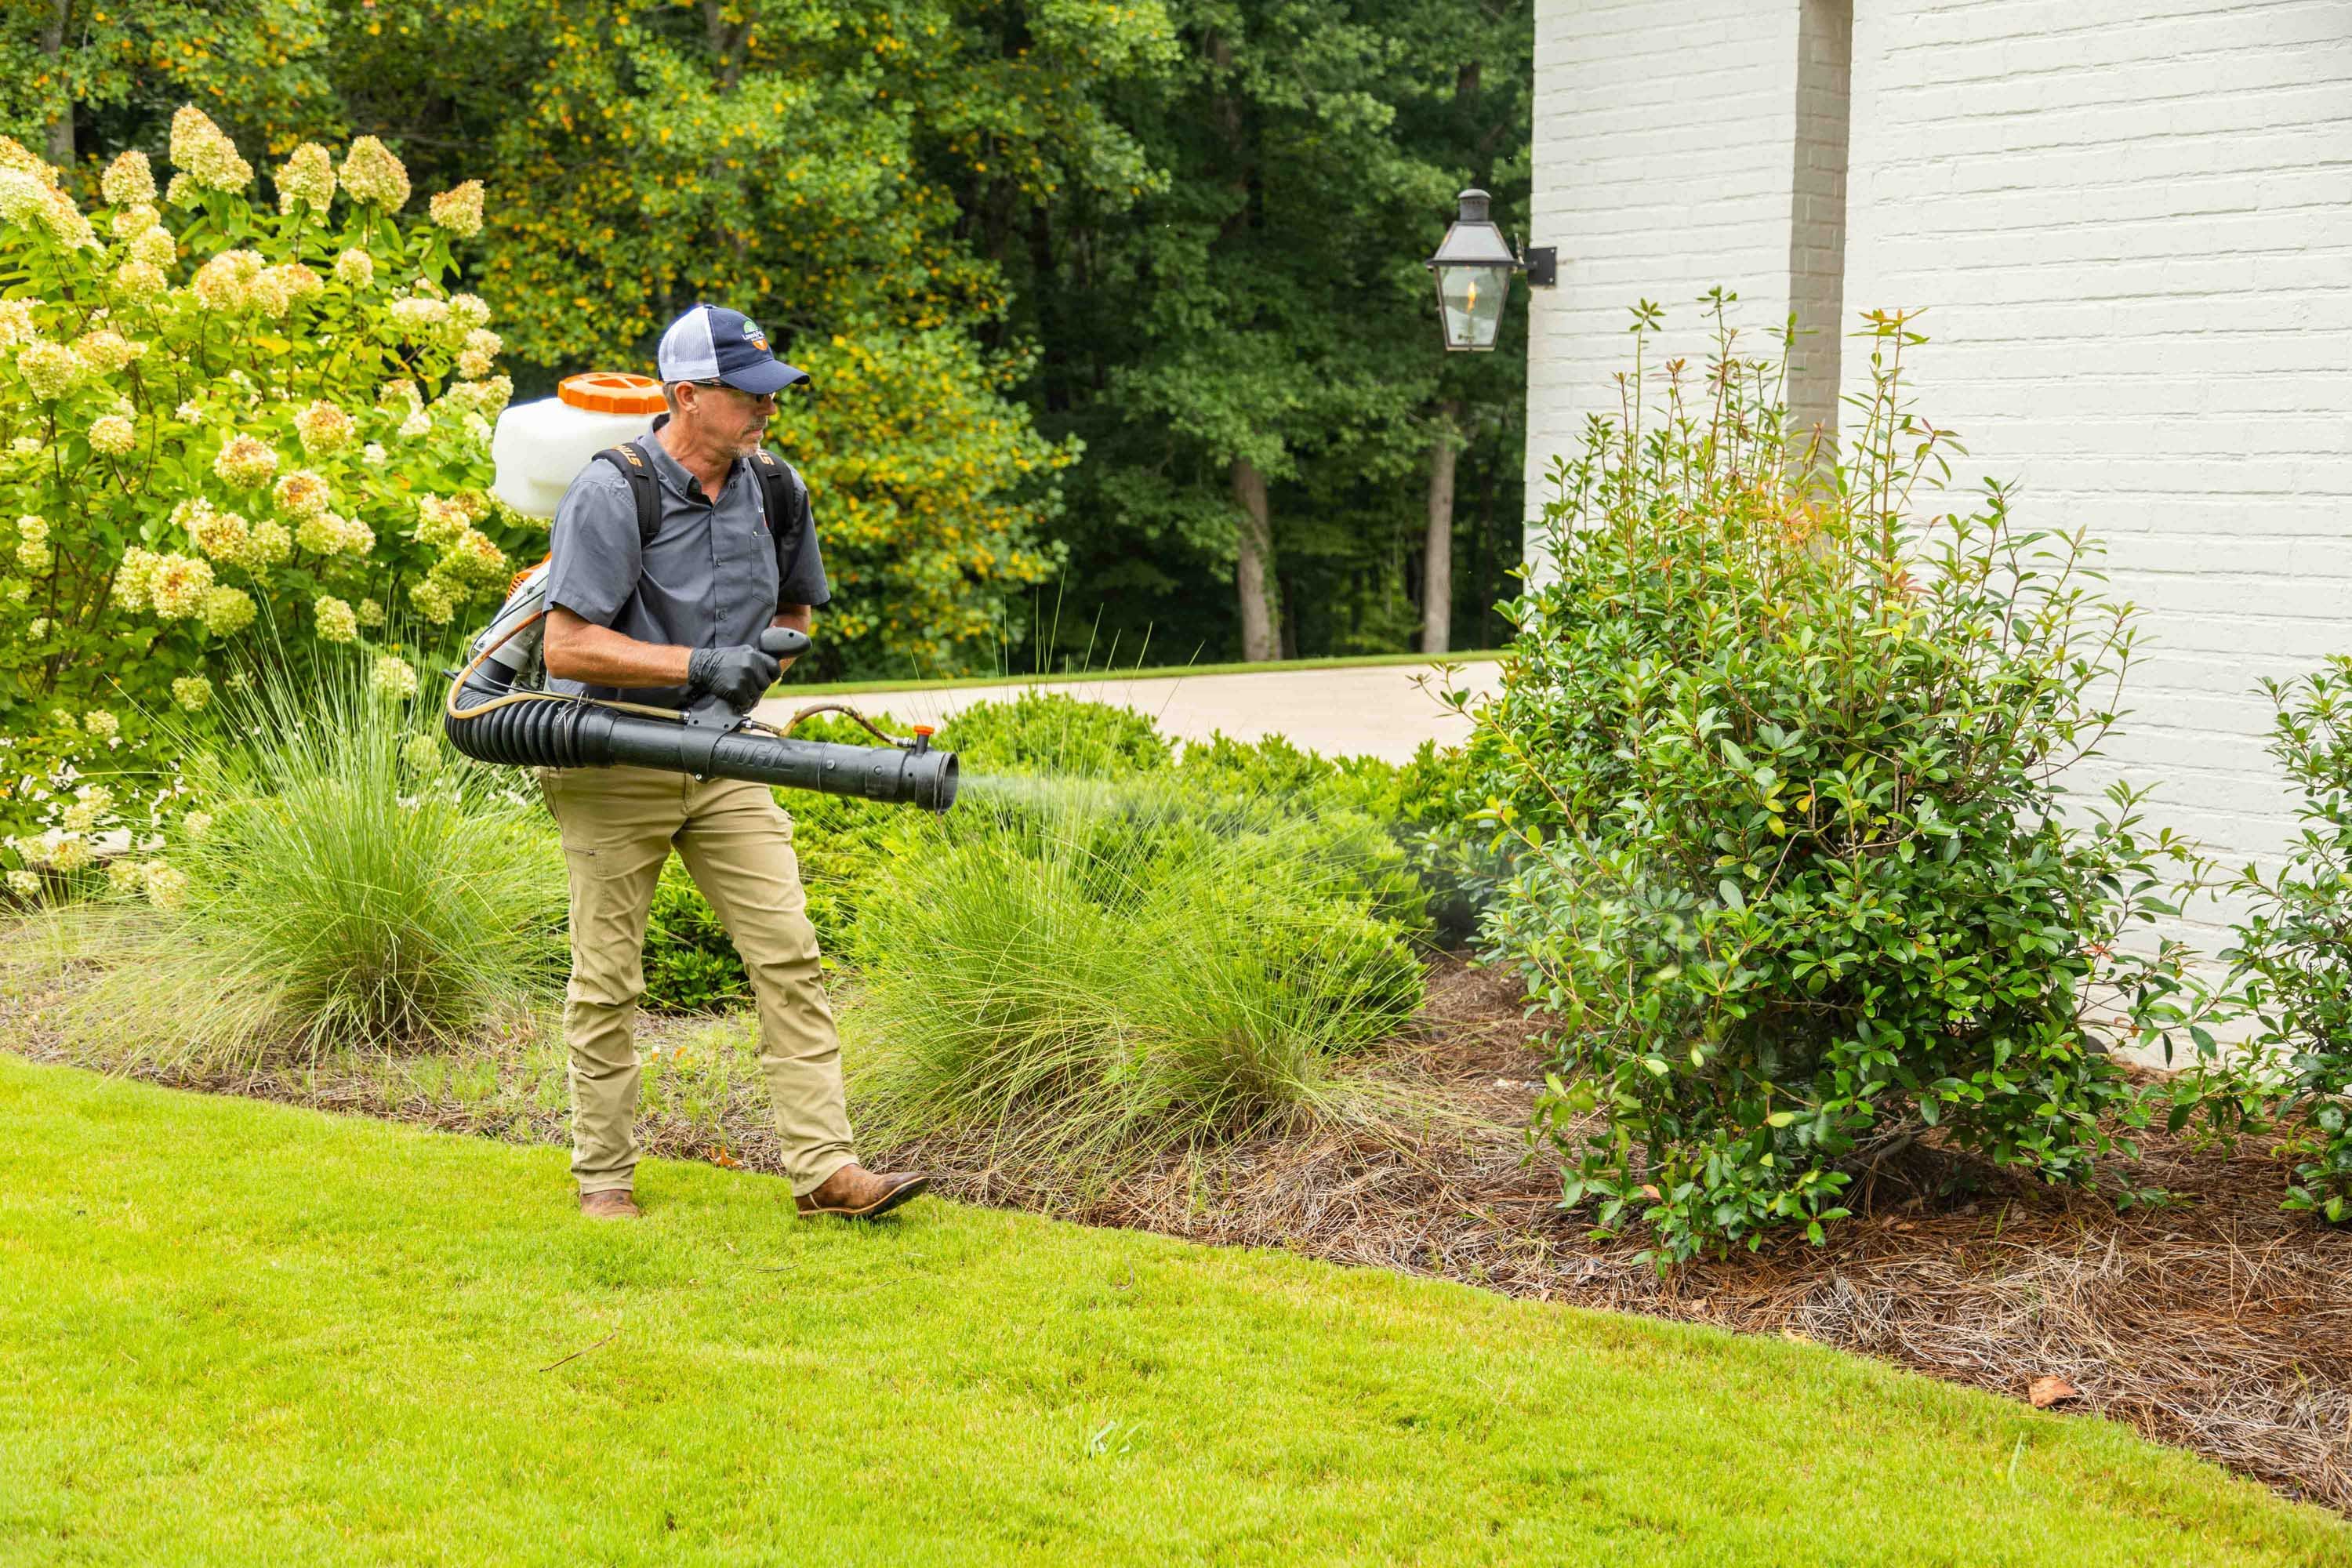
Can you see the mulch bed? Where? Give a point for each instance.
(2215, 1321)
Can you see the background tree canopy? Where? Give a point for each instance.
(1115, 310)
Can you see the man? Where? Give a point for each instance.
(669, 622)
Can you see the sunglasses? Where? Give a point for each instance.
(769, 397)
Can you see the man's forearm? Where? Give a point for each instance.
(578, 649)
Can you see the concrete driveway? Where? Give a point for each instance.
(1381, 711)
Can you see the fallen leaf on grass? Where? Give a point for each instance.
(2050, 1389)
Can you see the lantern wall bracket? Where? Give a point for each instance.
(1542, 263)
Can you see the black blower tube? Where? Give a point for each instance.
(560, 734)
(586, 734)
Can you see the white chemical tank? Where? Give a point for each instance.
(540, 448)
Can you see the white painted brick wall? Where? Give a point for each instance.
(1663, 143)
(2131, 224)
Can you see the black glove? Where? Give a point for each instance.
(740, 675)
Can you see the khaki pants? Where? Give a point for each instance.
(619, 826)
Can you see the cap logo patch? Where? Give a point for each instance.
(754, 336)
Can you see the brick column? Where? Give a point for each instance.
(1678, 147)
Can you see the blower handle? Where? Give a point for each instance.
(782, 642)
(712, 712)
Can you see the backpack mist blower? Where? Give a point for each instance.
(498, 711)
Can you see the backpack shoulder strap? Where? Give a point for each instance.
(642, 488)
(781, 490)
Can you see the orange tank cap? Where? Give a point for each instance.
(612, 391)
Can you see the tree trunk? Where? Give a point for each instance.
(53, 45)
(1437, 550)
(1253, 561)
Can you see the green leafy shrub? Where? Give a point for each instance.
(2294, 949)
(1085, 986)
(339, 880)
(221, 417)
(844, 845)
(1442, 872)
(690, 963)
(1779, 758)
(1096, 771)
(1048, 732)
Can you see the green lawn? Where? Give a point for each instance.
(233, 1332)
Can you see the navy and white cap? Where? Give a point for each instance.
(711, 343)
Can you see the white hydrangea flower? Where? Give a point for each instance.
(166, 885)
(90, 802)
(128, 181)
(394, 677)
(204, 152)
(114, 434)
(140, 279)
(17, 324)
(336, 621)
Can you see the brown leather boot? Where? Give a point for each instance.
(614, 1203)
(856, 1192)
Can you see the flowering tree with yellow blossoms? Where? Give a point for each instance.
(230, 427)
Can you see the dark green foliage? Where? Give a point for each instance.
(1257, 303)
(2294, 949)
(1046, 732)
(843, 846)
(1183, 234)
(1782, 761)
(1431, 877)
(1056, 775)
(691, 965)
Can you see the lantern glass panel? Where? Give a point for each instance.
(1470, 299)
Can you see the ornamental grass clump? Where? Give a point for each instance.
(1783, 753)
(344, 882)
(1092, 975)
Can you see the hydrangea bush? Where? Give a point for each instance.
(230, 424)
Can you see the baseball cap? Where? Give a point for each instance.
(711, 343)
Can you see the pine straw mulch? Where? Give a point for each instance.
(2214, 1322)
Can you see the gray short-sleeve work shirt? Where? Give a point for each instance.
(710, 577)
